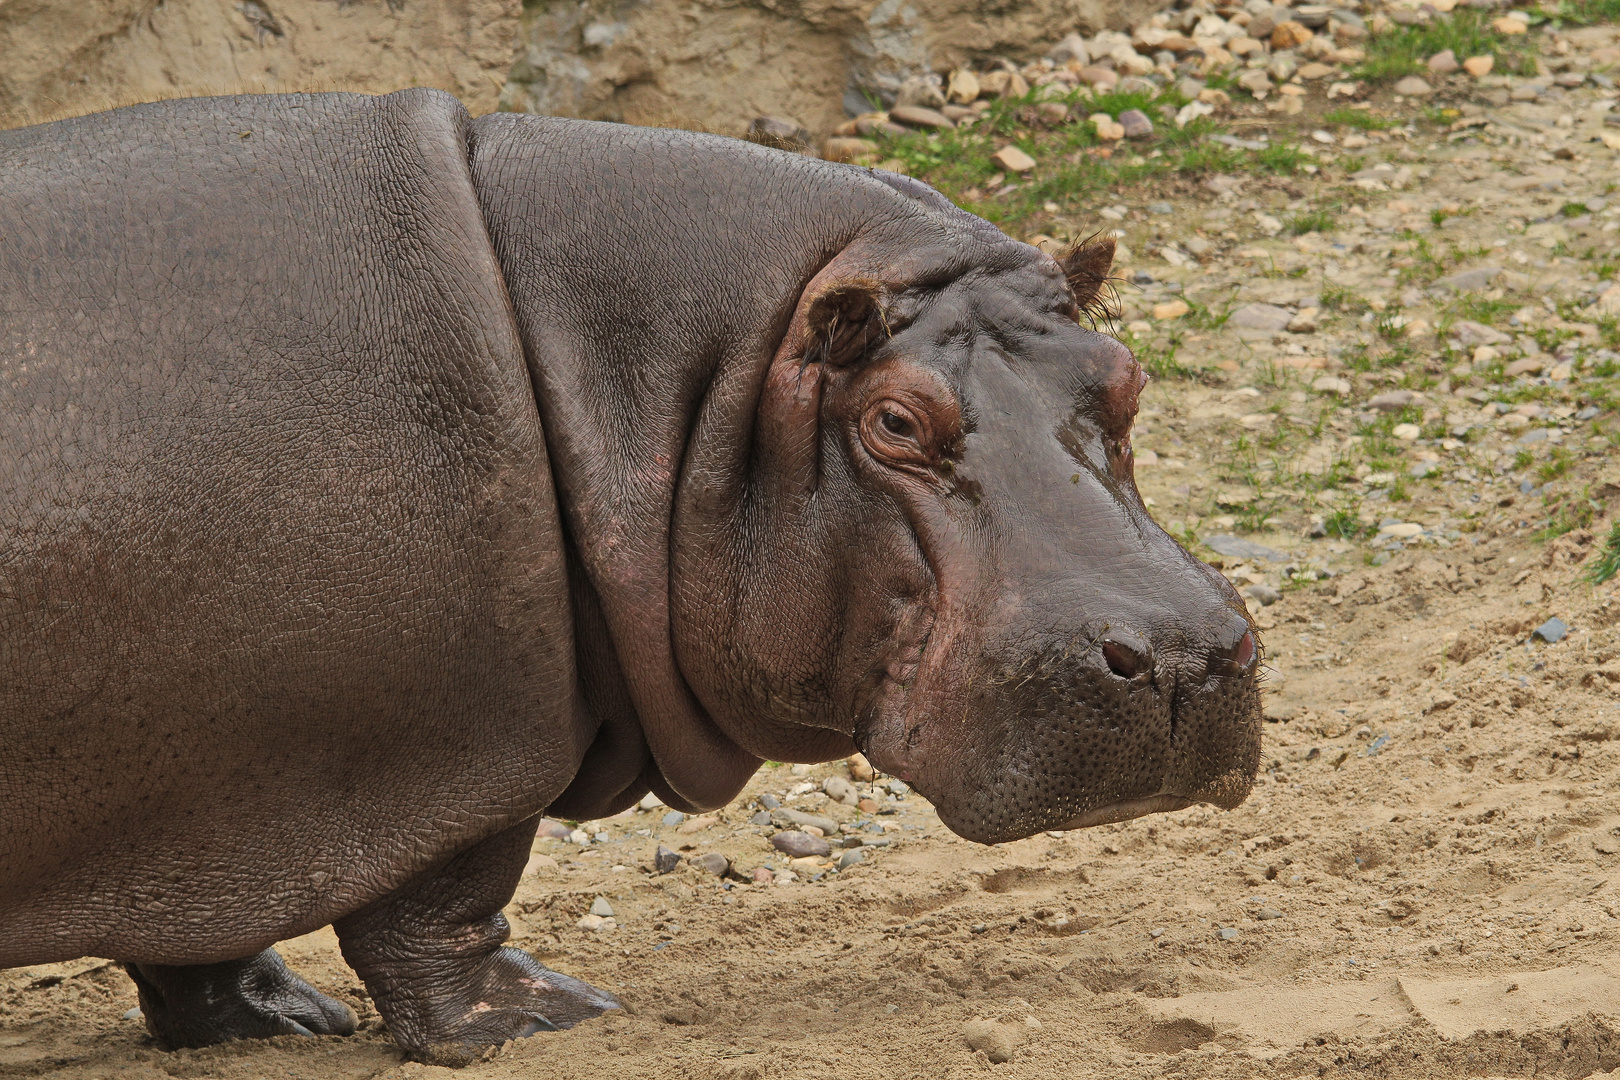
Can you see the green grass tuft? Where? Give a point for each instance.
(1607, 563)
(1406, 49)
(1359, 118)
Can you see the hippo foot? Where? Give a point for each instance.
(255, 998)
(506, 995)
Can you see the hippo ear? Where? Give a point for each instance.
(844, 323)
(1086, 266)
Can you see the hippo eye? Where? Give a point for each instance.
(896, 433)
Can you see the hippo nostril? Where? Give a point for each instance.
(1126, 661)
(1243, 655)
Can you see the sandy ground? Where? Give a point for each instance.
(1426, 881)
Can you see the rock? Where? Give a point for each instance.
(1290, 35)
(601, 907)
(998, 1041)
(769, 801)
(1107, 129)
(1468, 279)
(782, 133)
(918, 116)
(762, 875)
(848, 150)
(852, 857)
(1266, 914)
(799, 819)
(927, 90)
(665, 860)
(1316, 70)
(1331, 384)
(674, 817)
(1444, 63)
(1072, 49)
(649, 801)
(840, 790)
(1266, 317)
(1227, 933)
(1399, 530)
(869, 806)
(1304, 322)
(798, 845)
(580, 837)
(897, 787)
(1136, 124)
(1472, 333)
(1237, 548)
(1412, 86)
(1406, 432)
(595, 923)
(1391, 400)
(1608, 301)
(555, 830)
(713, 862)
(1530, 365)
(1265, 594)
(860, 770)
(963, 88)
(1479, 66)
(763, 818)
(1260, 27)
(1099, 77)
(1552, 631)
(1256, 82)
(1509, 25)
(697, 824)
(1174, 309)
(1013, 159)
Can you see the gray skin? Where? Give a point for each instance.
(374, 479)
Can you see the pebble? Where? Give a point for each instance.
(665, 860)
(998, 1041)
(1479, 66)
(713, 862)
(1469, 279)
(1269, 913)
(601, 907)
(1174, 309)
(770, 802)
(1391, 401)
(697, 824)
(674, 817)
(1412, 86)
(1266, 595)
(1290, 35)
(134, 1014)
(840, 790)
(797, 845)
(1135, 124)
(1330, 384)
(763, 818)
(580, 837)
(597, 923)
(860, 770)
(1227, 933)
(1406, 432)
(852, 857)
(1444, 62)
(650, 801)
(1267, 317)
(898, 787)
(1013, 159)
(800, 819)
(556, 830)
(918, 116)
(869, 806)
(850, 150)
(1552, 631)
(762, 875)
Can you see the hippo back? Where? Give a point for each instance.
(283, 610)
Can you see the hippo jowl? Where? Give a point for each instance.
(374, 479)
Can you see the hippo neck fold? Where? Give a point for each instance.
(652, 279)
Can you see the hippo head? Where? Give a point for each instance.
(938, 551)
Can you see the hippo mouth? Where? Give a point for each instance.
(1127, 809)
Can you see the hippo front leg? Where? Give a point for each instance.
(431, 957)
(253, 998)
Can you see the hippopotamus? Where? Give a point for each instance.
(377, 479)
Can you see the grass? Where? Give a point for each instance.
(1607, 563)
(1344, 525)
(1585, 12)
(1406, 49)
(1319, 221)
(1559, 464)
(1362, 119)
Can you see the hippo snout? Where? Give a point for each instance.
(1151, 711)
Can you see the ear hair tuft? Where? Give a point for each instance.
(845, 322)
(1085, 267)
